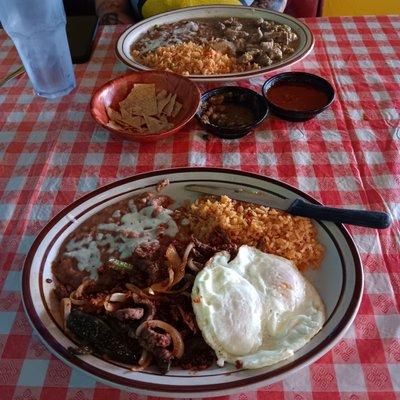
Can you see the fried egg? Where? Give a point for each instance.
(255, 310)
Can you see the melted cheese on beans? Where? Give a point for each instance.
(122, 236)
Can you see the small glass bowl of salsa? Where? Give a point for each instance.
(298, 96)
(231, 112)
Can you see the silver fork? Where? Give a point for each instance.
(12, 75)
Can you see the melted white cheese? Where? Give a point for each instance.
(166, 38)
(123, 236)
(86, 253)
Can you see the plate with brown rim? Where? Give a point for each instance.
(339, 280)
(304, 43)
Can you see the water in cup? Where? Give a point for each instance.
(37, 28)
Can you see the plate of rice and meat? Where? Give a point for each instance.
(215, 43)
(153, 288)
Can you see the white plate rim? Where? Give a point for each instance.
(193, 391)
(308, 45)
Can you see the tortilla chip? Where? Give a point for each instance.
(176, 109)
(144, 110)
(115, 116)
(164, 120)
(170, 106)
(161, 94)
(124, 121)
(122, 127)
(162, 103)
(155, 125)
(125, 113)
(141, 100)
(114, 125)
(112, 114)
(136, 121)
(131, 119)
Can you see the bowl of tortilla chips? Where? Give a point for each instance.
(145, 106)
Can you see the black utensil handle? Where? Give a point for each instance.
(369, 219)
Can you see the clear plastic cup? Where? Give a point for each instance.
(37, 28)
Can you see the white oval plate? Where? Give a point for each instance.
(339, 281)
(133, 33)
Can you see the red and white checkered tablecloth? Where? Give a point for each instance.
(52, 152)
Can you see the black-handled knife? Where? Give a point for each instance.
(369, 219)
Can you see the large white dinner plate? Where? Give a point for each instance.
(339, 281)
(133, 33)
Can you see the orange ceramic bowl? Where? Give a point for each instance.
(114, 91)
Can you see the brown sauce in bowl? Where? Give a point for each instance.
(221, 111)
(297, 96)
(232, 115)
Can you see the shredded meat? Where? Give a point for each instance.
(220, 242)
(153, 339)
(188, 318)
(146, 250)
(198, 355)
(147, 272)
(167, 311)
(109, 275)
(147, 269)
(157, 343)
(129, 314)
(148, 305)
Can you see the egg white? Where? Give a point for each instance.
(255, 310)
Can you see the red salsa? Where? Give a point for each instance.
(297, 96)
